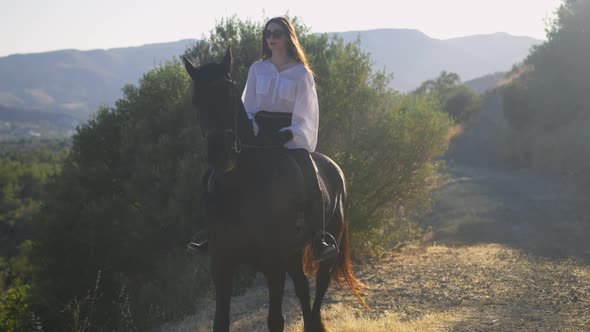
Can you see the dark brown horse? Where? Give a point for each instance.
(255, 199)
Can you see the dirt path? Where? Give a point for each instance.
(508, 251)
(541, 216)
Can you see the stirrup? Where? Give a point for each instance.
(329, 248)
(329, 253)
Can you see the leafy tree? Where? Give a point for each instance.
(457, 99)
(460, 102)
(244, 37)
(546, 101)
(556, 74)
(24, 170)
(125, 204)
(517, 108)
(444, 82)
(25, 167)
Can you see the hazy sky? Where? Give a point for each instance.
(42, 25)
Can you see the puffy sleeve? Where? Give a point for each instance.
(305, 122)
(249, 98)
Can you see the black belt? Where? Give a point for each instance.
(270, 122)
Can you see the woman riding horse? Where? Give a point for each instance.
(281, 101)
(255, 202)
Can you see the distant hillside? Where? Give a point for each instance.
(78, 82)
(18, 123)
(9, 114)
(500, 49)
(414, 57)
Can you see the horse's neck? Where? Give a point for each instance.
(245, 131)
(247, 166)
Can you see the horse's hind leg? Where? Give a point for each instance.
(301, 288)
(323, 280)
(276, 285)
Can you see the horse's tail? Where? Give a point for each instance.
(343, 271)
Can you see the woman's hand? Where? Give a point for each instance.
(281, 137)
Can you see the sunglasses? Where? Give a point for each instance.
(277, 34)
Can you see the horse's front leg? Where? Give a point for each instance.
(276, 285)
(222, 279)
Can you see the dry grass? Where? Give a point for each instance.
(523, 69)
(341, 318)
(484, 287)
(437, 288)
(337, 317)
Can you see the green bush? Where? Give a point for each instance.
(461, 102)
(516, 105)
(25, 167)
(391, 169)
(557, 73)
(125, 204)
(546, 102)
(456, 99)
(15, 309)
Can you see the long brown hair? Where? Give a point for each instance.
(294, 48)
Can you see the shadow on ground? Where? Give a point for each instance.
(542, 216)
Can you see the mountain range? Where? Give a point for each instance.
(413, 57)
(75, 83)
(78, 82)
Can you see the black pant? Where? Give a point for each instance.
(314, 201)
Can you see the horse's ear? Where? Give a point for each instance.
(228, 60)
(191, 69)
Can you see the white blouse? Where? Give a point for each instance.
(290, 91)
